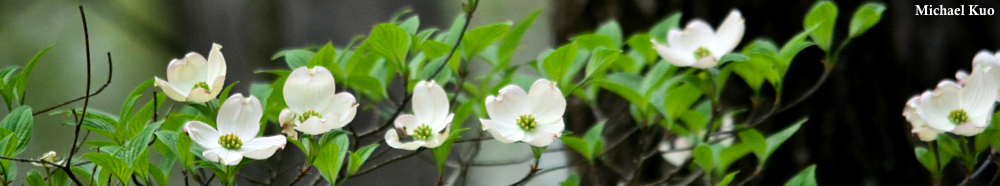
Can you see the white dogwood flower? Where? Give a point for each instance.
(988, 63)
(963, 110)
(195, 79)
(48, 157)
(238, 122)
(912, 115)
(676, 152)
(430, 122)
(312, 105)
(534, 117)
(698, 45)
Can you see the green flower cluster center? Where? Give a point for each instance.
(202, 85)
(526, 122)
(958, 116)
(309, 113)
(701, 52)
(423, 132)
(230, 141)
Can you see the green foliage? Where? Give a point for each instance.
(865, 18)
(662, 28)
(557, 64)
(600, 61)
(729, 178)
(331, 157)
(928, 159)
(510, 43)
(613, 30)
(824, 14)
(592, 143)
(441, 152)
(19, 121)
(359, 157)
(295, 58)
(391, 42)
(35, 179)
(477, 39)
(14, 88)
(572, 180)
(805, 178)
(704, 157)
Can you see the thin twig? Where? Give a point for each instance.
(302, 174)
(99, 90)
(209, 180)
(394, 159)
(402, 105)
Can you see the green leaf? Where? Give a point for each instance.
(949, 146)
(625, 85)
(865, 18)
(594, 41)
(441, 152)
(477, 39)
(5, 73)
(20, 122)
(600, 61)
(391, 42)
(613, 30)
(34, 178)
(451, 36)
(926, 158)
(824, 14)
(434, 49)
(510, 43)
(158, 175)
(295, 58)
(572, 180)
(578, 145)
(118, 167)
(775, 140)
(557, 63)
(324, 57)
(757, 143)
(732, 57)
(367, 84)
(411, 25)
(225, 92)
(805, 178)
(680, 99)
(21, 80)
(137, 145)
(985, 139)
(126, 111)
(660, 30)
(594, 139)
(359, 157)
(331, 158)
(704, 157)
(640, 43)
(728, 179)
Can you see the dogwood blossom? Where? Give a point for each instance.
(534, 117)
(963, 110)
(920, 128)
(312, 105)
(236, 137)
(195, 79)
(698, 45)
(430, 122)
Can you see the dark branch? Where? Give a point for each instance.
(99, 90)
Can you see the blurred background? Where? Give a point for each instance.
(856, 134)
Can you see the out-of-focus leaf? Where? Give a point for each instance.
(510, 43)
(660, 30)
(824, 14)
(704, 157)
(477, 39)
(295, 58)
(805, 178)
(612, 29)
(865, 18)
